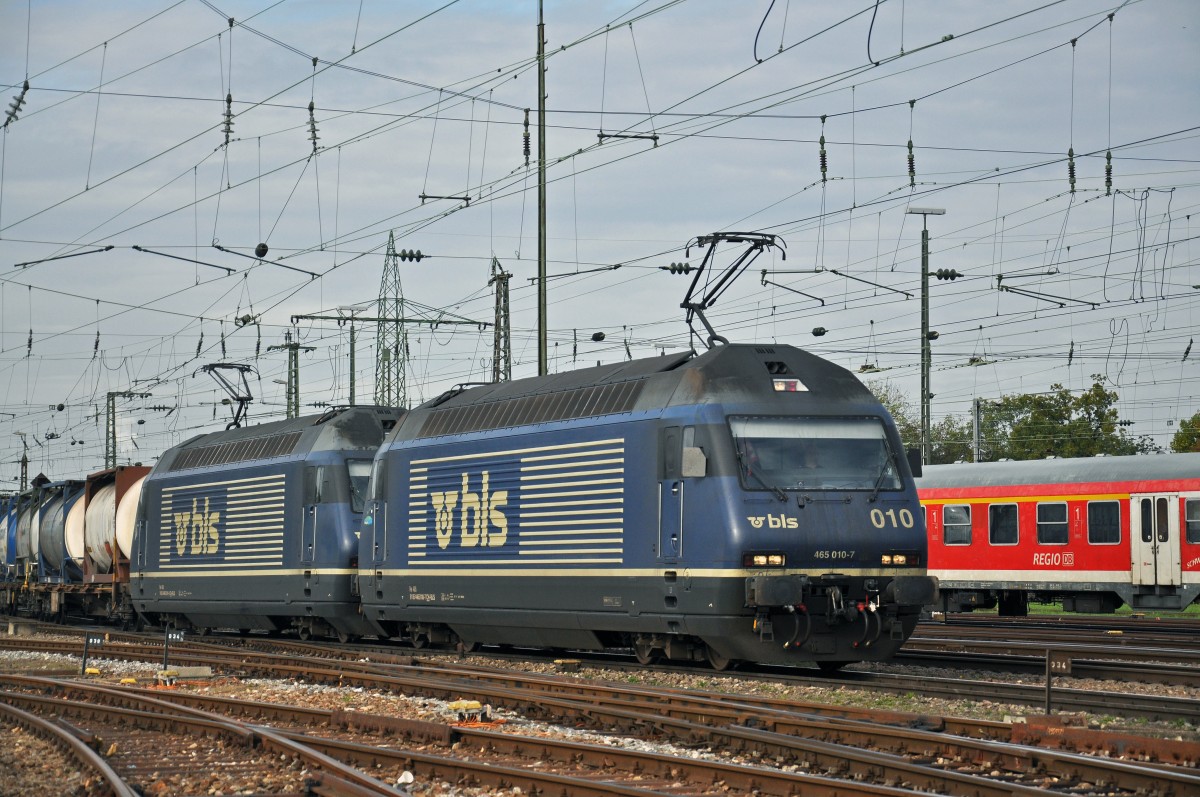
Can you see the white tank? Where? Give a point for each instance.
(100, 527)
(75, 539)
(24, 525)
(3, 539)
(35, 531)
(51, 539)
(127, 516)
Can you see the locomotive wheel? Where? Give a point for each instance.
(419, 641)
(716, 660)
(830, 667)
(467, 647)
(344, 637)
(644, 652)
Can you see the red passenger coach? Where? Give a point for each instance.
(1093, 533)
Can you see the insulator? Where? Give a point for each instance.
(17, 103)
(228, 129)
(1108, 173)
(200, 344)
(96, 345)
(312, 126)
(1071, 168)
(526, 136)
(824, 163)
(29, 344)
(912, 166)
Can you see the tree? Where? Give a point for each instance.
(951, 440)
(1055, 423)
(1188, 436)
(1031, 426)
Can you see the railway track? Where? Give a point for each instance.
(251, 651)
(884, 752)
(818, 753)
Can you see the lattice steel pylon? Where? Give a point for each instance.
(502, 340)
(391, 336)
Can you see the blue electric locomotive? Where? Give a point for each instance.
(256, 528)
(748, 503)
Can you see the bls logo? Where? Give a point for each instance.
(196, 532)
(774, 522)
(482, 522)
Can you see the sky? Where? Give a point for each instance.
(159, 143)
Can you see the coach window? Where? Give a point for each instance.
(1104, 522)
(1002, 524)
(956, 524)
(1191, 517)
(1052, 524)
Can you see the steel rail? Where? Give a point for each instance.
(69, 743)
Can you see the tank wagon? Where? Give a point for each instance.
(256, 528)
(66, 545)
(748, 503)
(1093, 533)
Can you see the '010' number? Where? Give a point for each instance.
(881, 519)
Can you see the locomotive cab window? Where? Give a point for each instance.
(1002, 524)
(1191, 518)
(1052, 524)
(360, 476)
(776, 453)
(956, 524)
(1104, 522)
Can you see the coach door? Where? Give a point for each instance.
(1154, 540)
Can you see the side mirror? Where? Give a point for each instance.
(913, 455)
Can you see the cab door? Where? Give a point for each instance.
(314, 476)
(1154, 540)
(670, 496)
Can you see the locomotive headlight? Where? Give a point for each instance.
(763, 560)
(902, 559)
(887, 558)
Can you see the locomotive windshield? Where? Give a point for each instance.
(814, 454)
(360, 475)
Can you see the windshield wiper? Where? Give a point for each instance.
(887, 463)
(780, 494)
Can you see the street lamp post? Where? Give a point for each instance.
(924, 213)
